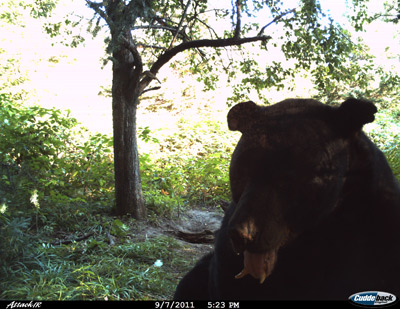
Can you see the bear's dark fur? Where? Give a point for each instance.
(315, 211)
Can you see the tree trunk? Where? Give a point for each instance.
(128, 185)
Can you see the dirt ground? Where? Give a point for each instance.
(197, 227)
(194, 227)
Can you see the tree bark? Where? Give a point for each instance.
(127, 68)
(128, 185)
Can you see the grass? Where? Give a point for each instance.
(95, 270)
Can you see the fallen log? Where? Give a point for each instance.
(202, 237)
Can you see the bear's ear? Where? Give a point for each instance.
(354, 113)
(242, 115)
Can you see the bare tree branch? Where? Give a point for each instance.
(164, 25)
(137, 61)
(169, 54)
(210, 29)
(238, 19)
(97, 8)
(156, 27)
(150, 89)
(136, 56)
(275, 20)
(180, 23)
(141, 45)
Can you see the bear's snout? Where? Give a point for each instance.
(242, 234)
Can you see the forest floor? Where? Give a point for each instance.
(193, 230)
(195, 227)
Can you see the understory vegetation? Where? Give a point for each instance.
(59, 239)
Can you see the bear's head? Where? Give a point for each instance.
(287, 172)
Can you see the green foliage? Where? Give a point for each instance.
(52, 174)
(55, 181)
(189, 167)
(385, 132)
(47, 161)
(119, 229)
(361, 14)
(12, 11)
(14, 77)
(306, 37)
(65, 32)
(393, 157)
(16, 243)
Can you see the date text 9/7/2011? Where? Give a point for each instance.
(196, 305)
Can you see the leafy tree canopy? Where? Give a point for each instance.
(309, 39)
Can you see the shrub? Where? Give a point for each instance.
(45, 154)
(52, 173)
(385, 132)
(187, 167)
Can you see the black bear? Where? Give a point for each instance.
(315, 210)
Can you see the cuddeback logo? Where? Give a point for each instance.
(373, 298)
